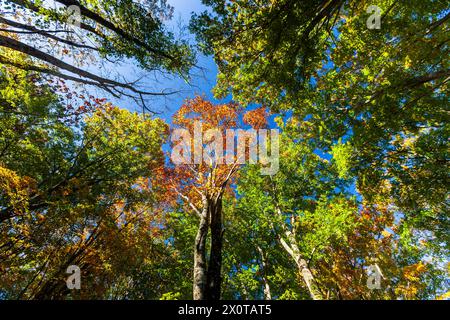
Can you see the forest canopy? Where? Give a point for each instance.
(335, 185)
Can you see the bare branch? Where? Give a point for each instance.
(32, 29)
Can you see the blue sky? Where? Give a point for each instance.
(201, 82)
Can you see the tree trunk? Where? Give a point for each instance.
(214, 277)
(200, 267)
(302, 266)
(208, 276)
(308, 278)
(264, 266)
(295, 253)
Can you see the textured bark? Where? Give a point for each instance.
(207, 276)
(215, 258)
(200, 266)
(293, 250)
(308, 278)
(302, 266)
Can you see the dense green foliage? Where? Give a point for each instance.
(362, 184)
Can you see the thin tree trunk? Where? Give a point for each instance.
(264, 266)
(100, 81)
(302, 266)
(293, 250)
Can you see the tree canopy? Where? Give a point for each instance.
(109, 31)
(321, 174)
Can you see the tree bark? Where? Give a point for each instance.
(214, 277)
(302, 266)
(200, 267)
(207, 276)
(294, 251)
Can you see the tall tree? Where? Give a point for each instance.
(72, 195)
(202, 179)
(332, 239)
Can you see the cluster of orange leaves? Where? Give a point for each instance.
(192, 180)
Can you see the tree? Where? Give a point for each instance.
(202, 179)
(265, 49)
(73, 195)
(294, 198)
(109, 30)
(255, 267)
(331, 238)
(376, 97)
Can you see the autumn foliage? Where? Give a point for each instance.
(161, 204)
